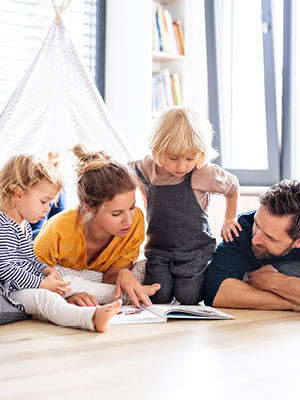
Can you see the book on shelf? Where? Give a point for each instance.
(159, 94)
(166, 90)
(156, 40)
(179, 35)
(171, 33)
(163, 312)
(165, 38)
(162, 28)
(166, 80)
(177, 89)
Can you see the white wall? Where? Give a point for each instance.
(128, 80)
(128, 72)
(248, 201)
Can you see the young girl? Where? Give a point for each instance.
(100, 237)
(28, 184)
(179, 180)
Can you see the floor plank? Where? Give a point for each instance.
(255, 356)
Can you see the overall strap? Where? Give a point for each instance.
(140, 175)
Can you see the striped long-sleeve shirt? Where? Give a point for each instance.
(19, 267)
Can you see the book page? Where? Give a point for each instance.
(134, 315)
(180, 311)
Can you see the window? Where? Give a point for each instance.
(291, 91)
(242, 88)
(24, 25)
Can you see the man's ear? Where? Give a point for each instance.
(297, 244)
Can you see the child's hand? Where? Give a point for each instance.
(46, 271)
(230, 225)
(55, 283)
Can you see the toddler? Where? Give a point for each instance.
(179, 180)
(28, 185)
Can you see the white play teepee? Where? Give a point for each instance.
(57, 105)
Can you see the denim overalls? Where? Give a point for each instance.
(179, 245)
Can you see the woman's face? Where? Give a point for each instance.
(117, 215)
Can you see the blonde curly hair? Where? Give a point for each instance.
(180, 130)
(23, 172)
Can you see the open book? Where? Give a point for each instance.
(161, 312)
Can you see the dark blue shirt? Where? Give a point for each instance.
(233, 259)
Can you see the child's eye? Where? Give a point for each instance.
(43, 202)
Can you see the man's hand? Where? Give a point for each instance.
(82, 300)
(262, 278)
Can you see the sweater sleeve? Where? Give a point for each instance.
(15, 267)
(213, 179)
(230, 260)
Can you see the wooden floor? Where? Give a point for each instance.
(256, 356)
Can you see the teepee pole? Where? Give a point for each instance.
(59, 10)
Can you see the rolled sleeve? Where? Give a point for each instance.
(230, 260)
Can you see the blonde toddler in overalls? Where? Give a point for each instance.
(179, 180)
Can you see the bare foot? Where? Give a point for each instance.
(103, 315)
(54, 156)
(151, 289)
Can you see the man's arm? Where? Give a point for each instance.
(234, 293)
(223, 286)
(269, 279)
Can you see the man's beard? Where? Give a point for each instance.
(261, 251)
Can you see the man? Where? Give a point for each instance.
(269, 247)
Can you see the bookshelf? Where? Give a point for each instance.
(130, 62)
(160, 56)
(167, 48)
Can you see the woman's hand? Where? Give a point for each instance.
(83, 300)
(55, 283)
(126, 281)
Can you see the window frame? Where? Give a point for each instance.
(287, 86)
(100, 47)
(246, 177)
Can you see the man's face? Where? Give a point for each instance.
(269, 236)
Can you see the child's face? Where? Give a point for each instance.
(116, 217)
(34, 204)
(179, 166)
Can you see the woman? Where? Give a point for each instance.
(102, 234)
